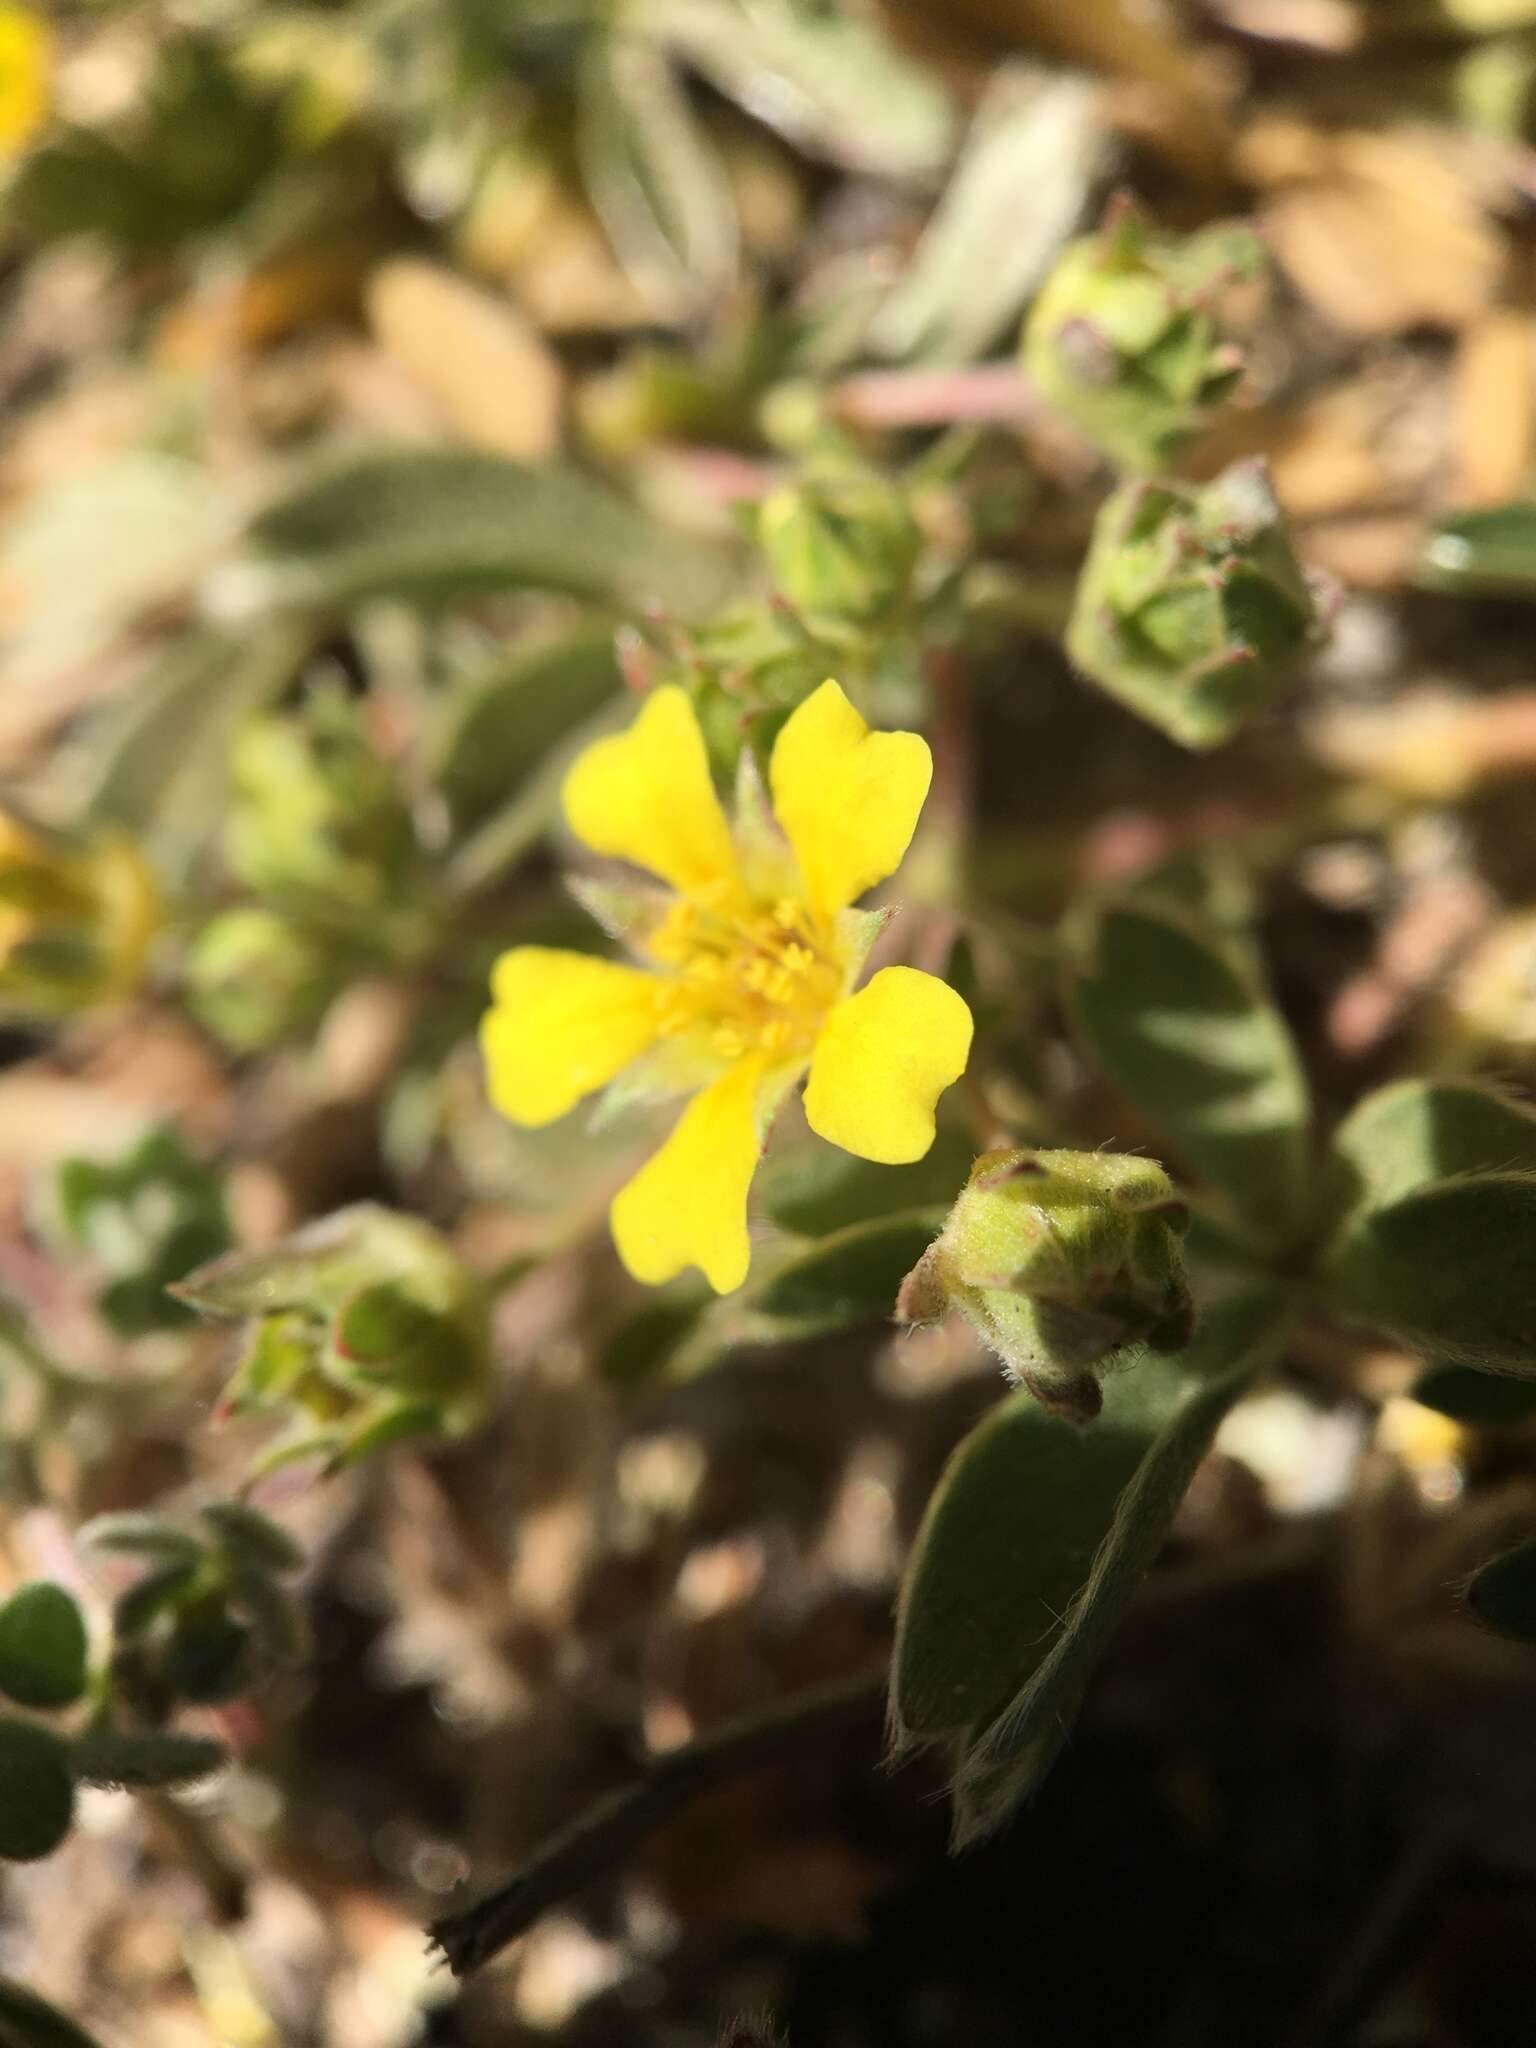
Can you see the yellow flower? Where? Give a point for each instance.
(26, 54)
(748, 965)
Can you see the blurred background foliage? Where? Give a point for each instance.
(390, 389)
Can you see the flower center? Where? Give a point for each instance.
(749, 978)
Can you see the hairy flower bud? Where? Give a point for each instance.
(1192, 607)
(76, 920)
(1059, 1260)
(1124, 338)
(841, 546)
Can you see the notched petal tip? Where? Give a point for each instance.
(561, 1025)
(848, 798)
(883, 1060)
(645, 796)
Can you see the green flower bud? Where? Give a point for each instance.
(1192, 607)
(841, 547)
(1124, 339)
(254, 978)
(76, 920)
(1059, 1260)
(364, 1327)
(319, 823)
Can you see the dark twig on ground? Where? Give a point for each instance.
(619, 1822)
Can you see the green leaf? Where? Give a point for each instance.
(149, 1217)
(208, 1658)
(1447, 1270)
(1175, 1012)
(135, 1608)
(1486, 553)
(140, 1762)
(1413, 1132)
(657, 185)
(1007, 1540)
(430, 525)
(850, 1277)
(1003, 1763)
(277, 1620)
(1503, 1594)
(835, 84)
(159, 759)
(37, 1792)
(27, 2021)
(42, 1647)
(498, 726)
(1022, 180)
(642, 1347)
(813, 1190)
(1481, 1400)
(138, 1535)
(251, 1538)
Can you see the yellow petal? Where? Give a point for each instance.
(25, 64)
(847, 797)
(645, 796)
(884, 1058)
(688, 1205)
(561, 1025)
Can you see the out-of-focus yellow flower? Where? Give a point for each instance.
(26, 69)
(748, 964)
(76, 921)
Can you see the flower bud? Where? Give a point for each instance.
(1059, 1260)
(1124, 338)
(1192, 607)
(366, 1326)
(76, 920)
(319, 823)
(841, 546)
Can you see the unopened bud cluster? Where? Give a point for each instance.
(1059, 1260)
(364, 1328)
(1192, 607)
(1125, 338)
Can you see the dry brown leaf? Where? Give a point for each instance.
(1494, 394)
(1382, 231)
(493, 379)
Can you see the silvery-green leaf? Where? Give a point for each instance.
(656, 183)
(437, 524)
(1023, 178)
(832, 82)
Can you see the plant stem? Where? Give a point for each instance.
(622, 1819)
